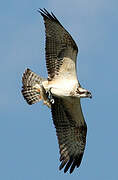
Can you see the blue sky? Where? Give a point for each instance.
(28, 142)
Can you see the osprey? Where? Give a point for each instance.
(61, 91)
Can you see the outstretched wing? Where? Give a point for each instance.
(61, 49)
(71, 132)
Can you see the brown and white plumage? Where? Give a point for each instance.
(63, 88)
(61, 49)
(71, 132)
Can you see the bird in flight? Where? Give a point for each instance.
(61, 91)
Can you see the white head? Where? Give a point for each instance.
(83, 93)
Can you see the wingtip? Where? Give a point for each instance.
(46, 14)
(39, 10)
(42, 11)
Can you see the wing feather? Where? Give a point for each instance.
(60, 47)
(71, 135)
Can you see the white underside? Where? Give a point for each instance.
(60, 88)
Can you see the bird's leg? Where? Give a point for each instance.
(50, 97)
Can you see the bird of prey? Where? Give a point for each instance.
(61, 91)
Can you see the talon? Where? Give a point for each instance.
(52, 101)
(50, 97)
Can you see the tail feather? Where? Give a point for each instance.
(30, 78)
(31, 87)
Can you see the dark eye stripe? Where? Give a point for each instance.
(80, 92)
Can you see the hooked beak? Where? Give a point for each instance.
(90, 96)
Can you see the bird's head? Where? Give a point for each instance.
(83, 93)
